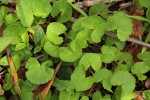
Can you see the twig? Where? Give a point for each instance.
(115, 36)
(91, 89)
(125, 5)
(46, 89)
(110, 4)
(88, 3)
(130, 39)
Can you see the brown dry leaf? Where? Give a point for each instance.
(134, 50)
(13, 73)
(139, 96)
(49, 84)
(147, 83)
(1, 90)
(139, 12)
(13, 2)
(137, 24)
(137, 28)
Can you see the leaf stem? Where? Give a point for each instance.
(78, 9)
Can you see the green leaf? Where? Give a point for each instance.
(121, 67)
(119, 96)
(125, 80)
(139, 69)
(139, 18)
(27, 9)
(71, 53)
(17, 60)
(75, 96)
(107, 97)
(148, 13)
(78, 73)
(4, 61)
(8, 83)
(97, 33)
(51, 49)
(145, 57)
(129, 96)
(99, 7)
(27, 95)
(11, 18)
(83, 84)
(87, 61)
(20, 46)
(30, 64)
(27, 86)
(37, 49)
(64, 95)
(103, 75)
(38, 35)
(24, 12)
(59, 84)
(109, 53)
(36, 73)
(77, 24)
(55, 97)
(122, 23)
(144, 3)
(110, 41)
(97, 95)
(4, 42)
(94, 24)
(41, 8)
(82, 37)
(47, 63)
(54, 30)
(25, 38)
(146, 94)
(3, 98)
(125, 57)
(84, 98)
(3, 12)
(12, 31)
(4, 1)
(64, 7)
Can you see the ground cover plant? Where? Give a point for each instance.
(74, 49)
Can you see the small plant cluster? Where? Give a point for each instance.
(55, 50)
